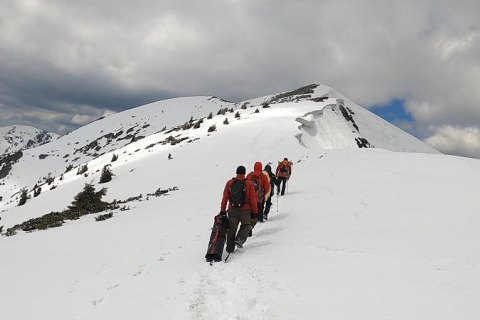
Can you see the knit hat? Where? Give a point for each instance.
(241, 170)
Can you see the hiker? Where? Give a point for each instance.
(242, 207)
(273, 183)
(283, 172)
(262, 188)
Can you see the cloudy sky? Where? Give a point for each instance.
(415, 62)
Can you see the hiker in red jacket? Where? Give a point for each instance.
(261, 184)
(242, 207)
(283, 172)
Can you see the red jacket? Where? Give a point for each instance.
(265, 184)
(284, 164)
(250, 197)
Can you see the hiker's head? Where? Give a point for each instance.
(257, 167)
(268, 168)
(241, 170)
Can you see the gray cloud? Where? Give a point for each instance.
(80, 59)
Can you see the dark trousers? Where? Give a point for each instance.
(283, 182)
(258, 217)
(268, 204)
(236, 216)
(260, 206)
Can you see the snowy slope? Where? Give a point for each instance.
(15, 138)
(325, 120)
(100, 137)
(361, 234)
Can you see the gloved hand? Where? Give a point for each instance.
(223, 214)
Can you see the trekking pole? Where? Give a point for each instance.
(277, 202)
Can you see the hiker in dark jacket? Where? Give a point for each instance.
(273, 183)
(283, 172)
(241, 214)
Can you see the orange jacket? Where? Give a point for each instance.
(250, 196)
(265, 184)
(286, 164)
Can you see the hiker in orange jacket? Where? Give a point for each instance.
(283, 172)
(242, 207)
(261, 185)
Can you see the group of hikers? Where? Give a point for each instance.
(249, 199)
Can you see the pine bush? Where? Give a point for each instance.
(106, 175)
(82, 169)
(23, 197)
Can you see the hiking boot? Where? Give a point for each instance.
(238, 243)
(230, 247)
(265, 217)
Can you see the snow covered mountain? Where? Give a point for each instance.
(16, 138)
(364, 232)
(325, 120)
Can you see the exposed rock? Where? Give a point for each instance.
(7, 162)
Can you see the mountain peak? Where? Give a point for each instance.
(18, 137)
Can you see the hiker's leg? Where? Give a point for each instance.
(260, 206)
(268, 204)
(284, 182)
(233, 221)
(245, 227)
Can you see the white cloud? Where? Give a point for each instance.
(450, 47)
(456, 140)
(82, 119)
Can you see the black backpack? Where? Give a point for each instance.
(237, 193)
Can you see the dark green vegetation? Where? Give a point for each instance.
(86, 202)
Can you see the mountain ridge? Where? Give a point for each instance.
(327, 119)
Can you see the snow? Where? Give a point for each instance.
(361, 233)
(14, 138)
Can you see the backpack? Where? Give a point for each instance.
(284, 170)
(237, 193)
(257, 185)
